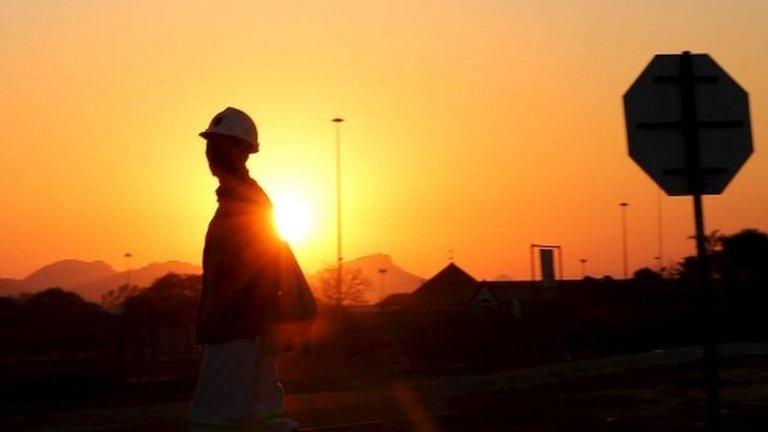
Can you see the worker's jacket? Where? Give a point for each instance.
(246, 268)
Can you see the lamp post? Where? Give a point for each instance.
(583, 262)
(127, 257)
(623, 206)
(660, 231)
(382, 273)
(338, 121)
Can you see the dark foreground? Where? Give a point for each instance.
(658, 391)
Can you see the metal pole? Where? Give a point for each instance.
(338, 121)
(382, 272)
(709, 348)
(536, 290)
(624, 237)
(533, 265)
(583, 262)
(693, 162)
(660, 228)
(127, 257)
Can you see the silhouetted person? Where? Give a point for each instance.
(243, 266)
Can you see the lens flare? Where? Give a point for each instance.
(293, 218)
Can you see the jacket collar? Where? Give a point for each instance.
(241, 195)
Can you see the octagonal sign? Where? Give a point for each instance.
(688, 124)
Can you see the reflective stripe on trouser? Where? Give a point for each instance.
(205, 425)
(277, 421)
(272, 422)
(238, 390)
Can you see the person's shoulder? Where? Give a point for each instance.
(253, 184)
(258, 192)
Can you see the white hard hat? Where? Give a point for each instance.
(234, 123)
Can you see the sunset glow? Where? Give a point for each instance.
(383, 215)
(293, 218)
(476, 127)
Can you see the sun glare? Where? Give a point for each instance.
(293, 218)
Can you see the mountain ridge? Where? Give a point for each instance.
(395, 280)
(92, 279)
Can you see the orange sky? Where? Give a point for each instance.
(478, 126)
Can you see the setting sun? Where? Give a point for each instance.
(293, 217)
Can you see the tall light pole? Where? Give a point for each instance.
(623, 206)
(382, 273)
(338, 121)
(127, 257)
(583, 262)
(660, 231)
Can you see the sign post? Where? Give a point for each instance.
(548, 274)
(688, 128)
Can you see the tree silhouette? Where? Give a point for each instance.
(57, 319)
(116, 297)
(646, 274)
(352, 289)
(687, 268)
(744, 257)
(170, 300)
(712, 241)
(740, 259)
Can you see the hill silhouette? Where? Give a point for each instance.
(10, 286)
(143, 277)
(90, 279)
(396, 280)
(67, 273)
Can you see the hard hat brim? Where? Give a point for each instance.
(253, 148)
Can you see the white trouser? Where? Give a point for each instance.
(238, 390)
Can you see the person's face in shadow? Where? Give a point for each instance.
(226, 156)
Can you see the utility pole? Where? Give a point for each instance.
(583, 262)
(623, 206)
(338, 121)
(127, 257)
(660, 233)
(382, 273)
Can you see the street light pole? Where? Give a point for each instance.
(338, 121)
(660, 229)
(583, 262)
(382, 272)
(127, 257)
(623, 206)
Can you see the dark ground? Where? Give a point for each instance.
(658, 391)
